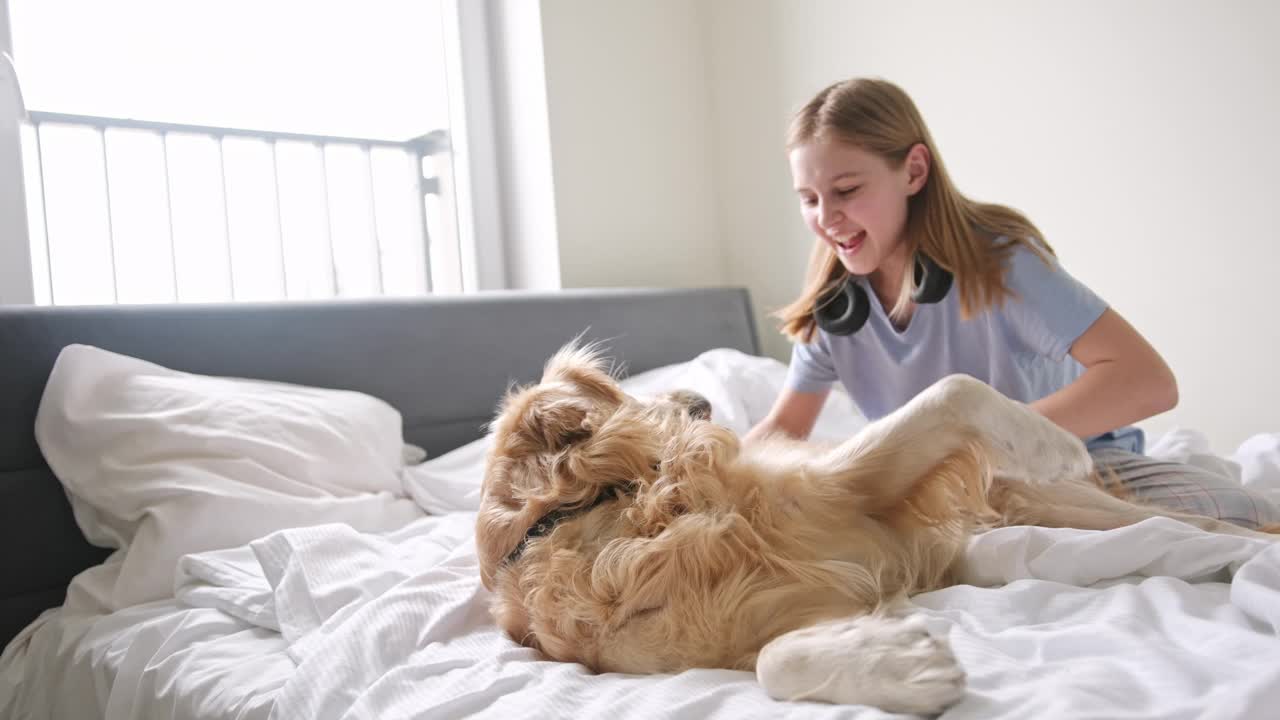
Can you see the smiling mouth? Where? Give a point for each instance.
(850, 244)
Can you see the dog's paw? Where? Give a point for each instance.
(890, 663)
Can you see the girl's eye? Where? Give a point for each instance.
(808, 201)
(848, 191)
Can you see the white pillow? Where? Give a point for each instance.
(163, 463)
(740, 387)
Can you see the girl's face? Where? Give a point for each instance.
(855, 202)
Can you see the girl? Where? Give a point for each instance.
(874, 191)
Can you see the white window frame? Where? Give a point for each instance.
(471, 126)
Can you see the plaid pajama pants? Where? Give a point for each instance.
(1186, 488)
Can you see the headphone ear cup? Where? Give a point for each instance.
(931, 282)
(843, 310)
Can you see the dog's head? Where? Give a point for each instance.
(572, 440)
(624, 533)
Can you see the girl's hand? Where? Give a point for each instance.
(794, 413)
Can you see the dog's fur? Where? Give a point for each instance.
(692, 550)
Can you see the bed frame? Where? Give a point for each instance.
(443, 362)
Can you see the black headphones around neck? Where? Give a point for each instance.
(844, 309)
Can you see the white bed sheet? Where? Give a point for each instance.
(1145, 621)
(396, 626)
(163, 659)
(1155, 620)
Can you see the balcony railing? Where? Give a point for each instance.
(125, 210)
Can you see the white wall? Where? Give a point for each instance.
(1142, 137)
(630, 122)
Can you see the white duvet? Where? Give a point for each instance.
(1154, 620)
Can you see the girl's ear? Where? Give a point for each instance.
(918, 164)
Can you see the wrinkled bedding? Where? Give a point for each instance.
(1154, 620)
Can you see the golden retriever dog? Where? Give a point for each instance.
(639, 537)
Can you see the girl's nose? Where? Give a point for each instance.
(828, 217)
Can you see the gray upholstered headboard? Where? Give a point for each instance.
(443, 362)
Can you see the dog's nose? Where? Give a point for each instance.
(698, 406)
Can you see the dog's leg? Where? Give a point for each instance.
(893, 453)
(885, 661)
(1087, 507)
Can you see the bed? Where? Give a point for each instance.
(344, 617)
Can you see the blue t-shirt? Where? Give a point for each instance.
(1019, 347)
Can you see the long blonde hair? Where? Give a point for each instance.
(956, 232)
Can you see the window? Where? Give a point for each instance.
(237, 150)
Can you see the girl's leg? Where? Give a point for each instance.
(1185, 488)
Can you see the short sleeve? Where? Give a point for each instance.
(1050, 309)
(811, 369)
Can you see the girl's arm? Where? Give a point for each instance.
(793, 413)
(1125, 380)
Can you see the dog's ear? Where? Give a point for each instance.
(538, 432)
(555, 420)
(584, 368)
(534, 425)
(576, 390)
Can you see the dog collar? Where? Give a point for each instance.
(548, 522)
